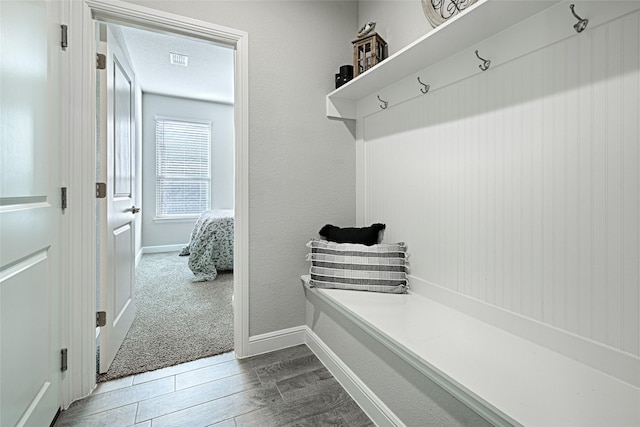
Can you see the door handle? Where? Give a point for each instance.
(133, 209)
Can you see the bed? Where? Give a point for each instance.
(210, 247)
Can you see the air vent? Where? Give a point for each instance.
(178, 59)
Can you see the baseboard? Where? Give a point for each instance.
(162, 248)
(277, 340)
(379, 413)
(158, 249)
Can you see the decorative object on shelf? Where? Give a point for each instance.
(345, 75)
(438, 11)
(367, 52)
(384, 104)
(366, 29)
(474, 29)
(581, 24)
(485, 64)
(426, 87)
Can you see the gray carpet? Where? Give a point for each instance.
(177, 320)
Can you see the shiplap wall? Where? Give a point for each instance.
(520, 186)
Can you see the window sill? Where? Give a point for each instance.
(178, 219)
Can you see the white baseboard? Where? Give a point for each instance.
(277, 340)
(162, 248)
(379, 413)
(158, 249)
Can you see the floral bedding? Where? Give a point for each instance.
(210, 248)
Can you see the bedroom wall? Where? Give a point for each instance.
(301, 165)
(520, 186)
(162, 232)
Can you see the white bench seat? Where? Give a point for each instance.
(516, 380)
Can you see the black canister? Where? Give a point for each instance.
(345, 75)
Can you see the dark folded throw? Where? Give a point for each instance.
(363, 235)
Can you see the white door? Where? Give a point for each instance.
(30, 212)
(117, 292)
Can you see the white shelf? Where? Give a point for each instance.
(482, 20)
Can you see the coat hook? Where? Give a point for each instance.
(384, 104)
(486, 63)
(426, 87)
(581, 24)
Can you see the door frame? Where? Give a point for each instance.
(81, 283)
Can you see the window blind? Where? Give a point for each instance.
(183, 175)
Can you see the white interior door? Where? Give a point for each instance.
(117, 292)
(30, 212)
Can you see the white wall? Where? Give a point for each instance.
(301, 165)
(221, 115)
(520, 186)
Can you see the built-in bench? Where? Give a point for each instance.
(503, 377)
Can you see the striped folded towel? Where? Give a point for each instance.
(375, 268)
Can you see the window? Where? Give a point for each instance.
(183, 173)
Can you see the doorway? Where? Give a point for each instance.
(178, 155)
(239, 193)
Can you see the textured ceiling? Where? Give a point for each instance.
(208, 76)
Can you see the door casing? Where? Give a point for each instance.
(81, 286)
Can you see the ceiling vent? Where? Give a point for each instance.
(178, 59)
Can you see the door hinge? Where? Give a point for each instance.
(64, 42)
(101, 318)
(101, 61)
(63, 198)
(101, 190)
(63, 359)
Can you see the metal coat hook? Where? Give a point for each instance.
(384, 104)
(581, 24)
(426, 88)
(486, 63)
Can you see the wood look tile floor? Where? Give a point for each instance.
(288, 387)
